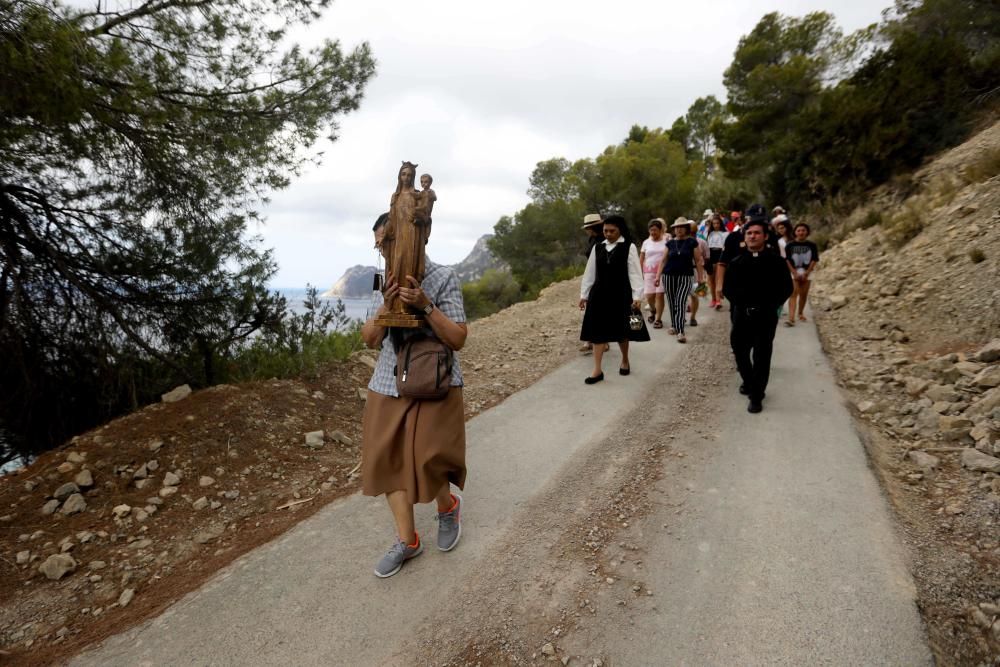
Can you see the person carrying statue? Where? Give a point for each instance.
(412, 449)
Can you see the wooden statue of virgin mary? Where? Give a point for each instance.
(406, 235)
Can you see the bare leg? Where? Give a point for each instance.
(659, 307)
(599, 349)
(792, 300)
(651, 300)
(694, 304)
(803, 297)
(623, 346)
(444, 499)
(402, 512)
(711, 287)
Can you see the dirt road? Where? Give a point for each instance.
(645, 520)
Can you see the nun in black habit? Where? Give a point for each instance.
(609, 294)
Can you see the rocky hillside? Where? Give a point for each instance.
(113, 527)
(478, 262)
(910, 314)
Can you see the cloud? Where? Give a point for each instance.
(478, 93)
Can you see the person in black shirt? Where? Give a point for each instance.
(802, 257)
(734, 244)
(757, 282)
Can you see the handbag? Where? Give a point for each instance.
(637, 331)
(423, 368)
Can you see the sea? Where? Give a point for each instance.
(356, 308)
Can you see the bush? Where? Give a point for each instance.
(906, 224)
(872, 218)
(493, 292)
(983, 167)
(300, 344)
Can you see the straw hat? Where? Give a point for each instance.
(592, 219)
(680, 222)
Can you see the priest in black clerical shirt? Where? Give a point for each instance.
(757, 284)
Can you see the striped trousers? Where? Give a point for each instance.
(677, 289)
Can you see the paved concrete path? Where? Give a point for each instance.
(788, 556)
(784, 552)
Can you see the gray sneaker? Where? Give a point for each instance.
(450, 526)
(394, 558)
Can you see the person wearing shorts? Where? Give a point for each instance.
(802, 256)
(650, 255)
(716, 239)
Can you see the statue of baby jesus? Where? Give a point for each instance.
(429, 197)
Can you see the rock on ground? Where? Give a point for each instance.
(57, 566)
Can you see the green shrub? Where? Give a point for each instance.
(907, 223)
(493, 292)
(299, 345)
(872, 218)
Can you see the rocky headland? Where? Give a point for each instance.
(357, 281)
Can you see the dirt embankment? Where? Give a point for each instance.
(908, 326)
(110, 529)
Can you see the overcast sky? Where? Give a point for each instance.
(478, 93)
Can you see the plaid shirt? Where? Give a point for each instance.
(443, 289)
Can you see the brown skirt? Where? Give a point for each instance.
(412, 445)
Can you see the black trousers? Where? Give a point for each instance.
(752, 340)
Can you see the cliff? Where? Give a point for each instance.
(356, 282)
(478, 261)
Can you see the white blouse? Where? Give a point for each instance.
(634, 271)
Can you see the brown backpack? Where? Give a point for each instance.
(423, 368)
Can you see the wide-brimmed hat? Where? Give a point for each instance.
(708, 212)
(663, 223)
(781, 217)
(778, 210)
(680, 222)
(592, 219)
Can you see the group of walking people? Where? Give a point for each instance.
(413, 448)
(755, 261)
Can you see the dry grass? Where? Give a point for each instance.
(983, 167)
(908, 222)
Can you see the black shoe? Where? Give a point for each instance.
(595, 379)
(744, 390)
(755, 406)
(693, 322)
(624, 371)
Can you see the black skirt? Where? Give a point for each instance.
(610, 301)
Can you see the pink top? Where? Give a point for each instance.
(655, 250)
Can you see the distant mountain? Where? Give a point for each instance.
(357, 280)
(478, 262)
